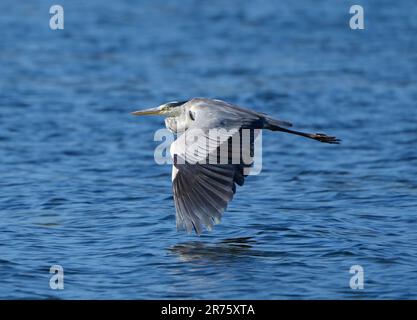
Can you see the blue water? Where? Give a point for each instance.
(79, 186)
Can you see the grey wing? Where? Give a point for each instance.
(202, 189)
(202, 193)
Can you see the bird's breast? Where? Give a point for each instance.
(171, 124)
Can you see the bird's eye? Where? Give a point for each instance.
(192, 117)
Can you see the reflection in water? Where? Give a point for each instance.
(224, 249)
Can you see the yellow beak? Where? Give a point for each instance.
(147, 112)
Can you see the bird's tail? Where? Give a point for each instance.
(274, 125)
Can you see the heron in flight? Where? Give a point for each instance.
(203, 190)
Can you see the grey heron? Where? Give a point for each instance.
(203, 190)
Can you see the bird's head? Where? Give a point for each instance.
(170, 109)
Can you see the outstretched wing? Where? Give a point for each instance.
(203, 181)
(202, 193)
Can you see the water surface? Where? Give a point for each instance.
(79, 186)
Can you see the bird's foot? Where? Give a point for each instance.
(325, 138)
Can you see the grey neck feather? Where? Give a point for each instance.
(178, 122)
